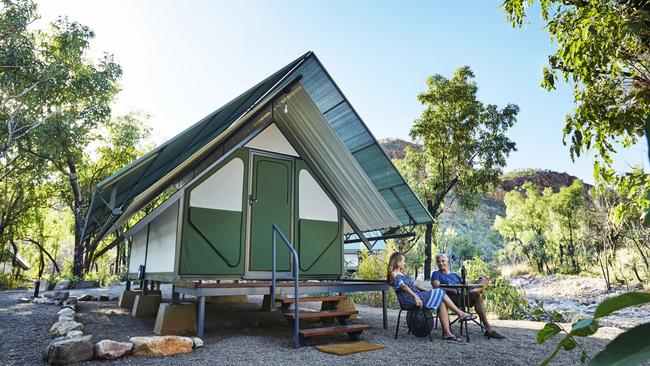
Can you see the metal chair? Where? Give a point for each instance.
(411, 314)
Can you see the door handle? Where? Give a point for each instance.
(252, 199)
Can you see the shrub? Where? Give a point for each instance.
(500, 298)
(372, 266)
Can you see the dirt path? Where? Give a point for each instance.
(241, 334)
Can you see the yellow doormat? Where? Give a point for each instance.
(344, 349)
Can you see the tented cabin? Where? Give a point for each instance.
(290, 151)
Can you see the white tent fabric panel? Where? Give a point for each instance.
(271, 139)
(341, 172)
(162, 241)
(313, 202)
(223, 190)
(138, 250)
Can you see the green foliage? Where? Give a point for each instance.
(464, 248)
(500, 298)
(103, 277)
(373, 266)
(601, 48)
(629, 348)
(464, 146)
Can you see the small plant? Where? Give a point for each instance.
(629, 348)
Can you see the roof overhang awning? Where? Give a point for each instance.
(308, 130)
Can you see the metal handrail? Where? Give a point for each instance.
(296, 323)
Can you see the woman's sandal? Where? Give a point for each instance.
(452, 339)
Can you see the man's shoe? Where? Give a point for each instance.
(493, 334)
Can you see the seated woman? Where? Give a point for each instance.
(410, 295)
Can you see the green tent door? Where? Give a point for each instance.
(271, 201)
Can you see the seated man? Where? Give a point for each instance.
(443, 276)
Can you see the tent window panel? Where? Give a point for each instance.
(223, 190)
(313, 202)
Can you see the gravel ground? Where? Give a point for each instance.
(240, 334)
(578, 297)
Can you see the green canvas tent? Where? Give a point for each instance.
(291, 151)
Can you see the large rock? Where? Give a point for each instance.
(61, 296)
(69, 350)
(43, 300)
(66, 318)
(108, 349)
(161, 345)
(62, 285)
(66, 312)
(198, 342)
(24, 299)
(74, 333)
(62, 328)
(85, 298)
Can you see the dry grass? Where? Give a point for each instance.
(515, 269)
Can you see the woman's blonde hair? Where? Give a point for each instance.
(392, 263)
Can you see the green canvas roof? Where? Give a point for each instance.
(115, 196)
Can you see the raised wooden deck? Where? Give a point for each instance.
(201, 289)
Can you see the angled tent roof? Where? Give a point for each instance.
(128, 190)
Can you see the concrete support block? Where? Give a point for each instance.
(267, 304)
(146, 306)
(127, 298)
(176, 319)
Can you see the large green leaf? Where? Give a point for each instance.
(612, 304)
(549, 330)
(584, 327)
(628, 349)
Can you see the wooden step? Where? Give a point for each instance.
(291, 300)
(352, 328)
(321, 314)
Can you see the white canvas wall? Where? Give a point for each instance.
(138, 248)
(162, 241)
(271, 139)
(313, 202)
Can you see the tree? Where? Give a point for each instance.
(87, 90)
(527, 223)
(602, 48)
(464, 147)
(567, 207)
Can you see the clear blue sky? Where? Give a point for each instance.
(184, 59)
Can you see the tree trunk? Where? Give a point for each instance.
(79, 221)
(428, 235)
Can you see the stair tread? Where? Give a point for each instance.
(291, 300)
(321, 314)
(312, 332)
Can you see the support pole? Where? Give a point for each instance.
(201, 325)
(175, 296)
(384, 308)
